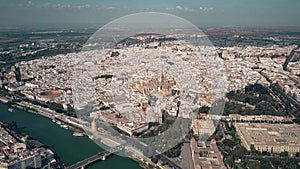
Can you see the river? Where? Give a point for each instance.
(70, 149)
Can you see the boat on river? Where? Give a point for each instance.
(77, 134)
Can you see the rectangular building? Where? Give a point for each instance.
(203, 126)
(270, 137)
(206, 155)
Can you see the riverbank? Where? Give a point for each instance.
(75, 124)
(72, 123)
(68, 148)
(33, 149)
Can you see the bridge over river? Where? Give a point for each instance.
(100, 156)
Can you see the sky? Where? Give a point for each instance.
(203, 13)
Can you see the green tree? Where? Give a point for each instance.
(239, 151)
(252, 148)
(229, 143)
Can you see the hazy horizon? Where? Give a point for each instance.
(202, 13)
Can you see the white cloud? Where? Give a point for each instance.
(169, 9)
(206, 9)
(111, 7)
(185, 9)
(45, 5)
(179, 7)
(83, 6)
(29, 4)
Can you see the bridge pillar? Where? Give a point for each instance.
(103, 158)
(82, 167)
